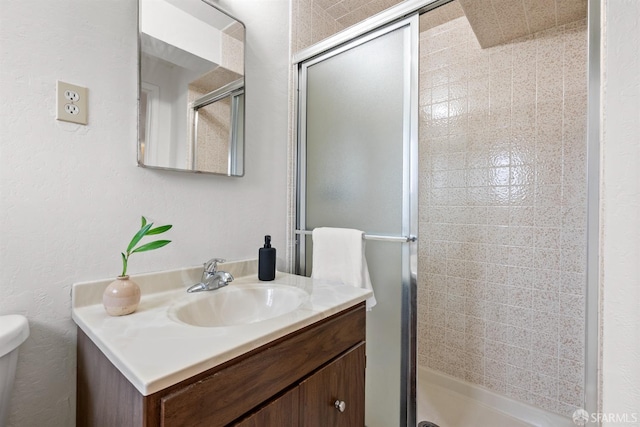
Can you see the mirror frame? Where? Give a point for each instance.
(231, 170)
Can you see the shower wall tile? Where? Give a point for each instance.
(502, 210)
(315, 20)
(540, 13)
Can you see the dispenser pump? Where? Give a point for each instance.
(267, 261)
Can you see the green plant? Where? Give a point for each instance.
(145, 230)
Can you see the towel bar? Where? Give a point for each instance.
(401, 239)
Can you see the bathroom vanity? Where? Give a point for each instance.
(302, 368)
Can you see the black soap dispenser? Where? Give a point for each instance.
(267, 261)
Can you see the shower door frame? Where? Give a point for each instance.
(408, 239)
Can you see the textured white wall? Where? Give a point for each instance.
(71, 196)
(620, 210)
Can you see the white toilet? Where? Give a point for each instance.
(14, 330)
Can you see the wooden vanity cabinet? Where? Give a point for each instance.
(334, 395)
(293, 381)
(312, 403)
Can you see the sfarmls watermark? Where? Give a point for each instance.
(582, 417)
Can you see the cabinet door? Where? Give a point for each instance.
(280, 412)
(341, 381)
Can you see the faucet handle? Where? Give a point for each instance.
(212, 265)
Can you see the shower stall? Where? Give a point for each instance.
(463, 146)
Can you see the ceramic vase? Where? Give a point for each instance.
(121, 297)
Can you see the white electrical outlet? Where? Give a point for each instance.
(71, 95)
(71, 103)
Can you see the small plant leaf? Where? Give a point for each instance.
(145, 230)
(139, 235)
(124, 264)
(150, 246)
(159, 230)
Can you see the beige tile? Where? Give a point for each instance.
(522, 277)
(573, 283)
(547, 259)
(524, 91)
(548, 195)
(520, 236)
(571, 348)
(455, 340)
(455, 321)
(521, 256)
(337, 10)
(571, 371)
(573, 306)
(473, 360)
(544, 348)
(521, 195)
(353, 17)
(574, 217)
(495, 384)
(574, 177)
(512, 18)
(483, 20)
(570, 10)
(354, 4)
(546, 325)
(506, 235)
(544, 364)
(325, 4)
(498, 176)
(519, 358)
(571, 393)
(548, 216)
(548, 238)
(540, 14)
(517, 393)
(523, 150)
(495, 369)
(520, 298)
(498, 254)
(376, 6)
(500, 89)
(500, 57)
(521, 216)
(546, 301)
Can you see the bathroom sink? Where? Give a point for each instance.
(239, 304)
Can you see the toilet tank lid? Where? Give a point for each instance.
(14, 330)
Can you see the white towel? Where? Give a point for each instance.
(338, 256)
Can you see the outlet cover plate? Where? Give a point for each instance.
(71, 103)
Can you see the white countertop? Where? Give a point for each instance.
(154, 352)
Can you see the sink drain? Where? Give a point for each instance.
(427, 424)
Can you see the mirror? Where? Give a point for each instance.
(191, 91)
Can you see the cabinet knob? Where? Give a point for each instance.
(340, 405)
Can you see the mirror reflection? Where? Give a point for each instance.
(191, 99)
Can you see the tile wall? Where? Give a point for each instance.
(315, 20)
(502, 248)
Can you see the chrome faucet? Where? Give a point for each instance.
(212, 278)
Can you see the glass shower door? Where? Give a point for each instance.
(357, 151)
